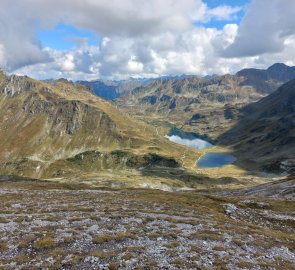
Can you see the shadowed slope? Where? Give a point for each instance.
(265, 135)
(266, 81)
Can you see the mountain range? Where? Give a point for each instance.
(263, 80)
(61, 129)
(208, 106)
(113, 89)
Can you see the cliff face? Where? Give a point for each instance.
(14, 85)
(67, 116)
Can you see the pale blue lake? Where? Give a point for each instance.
(194, 140)
(215, 160)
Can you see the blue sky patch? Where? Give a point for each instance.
(65, 37)
(233, 3)
(219, 24)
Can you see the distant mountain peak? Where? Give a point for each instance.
(267, 80)
(64, 80)
(278, 65)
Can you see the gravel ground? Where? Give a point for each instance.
(49, 226)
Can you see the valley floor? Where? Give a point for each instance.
(47, 225)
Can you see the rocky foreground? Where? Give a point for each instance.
(63, 226)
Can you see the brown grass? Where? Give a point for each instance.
(45, 242)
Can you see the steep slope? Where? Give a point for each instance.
(267, 81)
(265, 135)
(61, 129)
(46, 115)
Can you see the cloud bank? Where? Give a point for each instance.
(144, 38)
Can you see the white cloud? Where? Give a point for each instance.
(144, 38)
(190, 52)
(2, 55)
(67, 63)
(18, 41)
(264, 29)
(134, 66)
(223, 12)
(105, 42)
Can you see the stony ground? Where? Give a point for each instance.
(57, 226)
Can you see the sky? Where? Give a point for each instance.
(119, 39)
